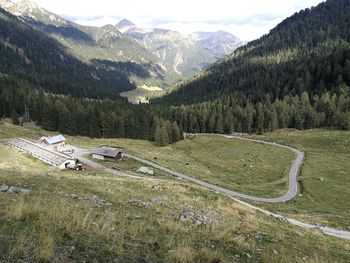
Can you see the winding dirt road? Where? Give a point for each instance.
(292, 190)
(291, 193)
(293, 184)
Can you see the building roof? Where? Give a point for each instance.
(40, 152)
(107, 151)
(53, 139)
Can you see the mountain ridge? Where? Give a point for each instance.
(294, 57)
(32, 57)
(91, 44)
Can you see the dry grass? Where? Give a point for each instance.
(48, 227)
(327, 157)
(45, 247)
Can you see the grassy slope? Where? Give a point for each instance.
(327, 157)
(238, 165)
(46, 226)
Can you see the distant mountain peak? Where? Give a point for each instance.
(20, 6)
(124, 23)
(221, 43)
(27, 9)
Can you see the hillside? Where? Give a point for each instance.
(31, 58)
(104, 47)
(42, 82)
(307, 52)
(94, 217)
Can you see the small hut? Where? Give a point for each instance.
(107, 153)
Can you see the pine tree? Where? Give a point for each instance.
(219, 128)
(94, 128)
(212, 123)
(175, 131)
(161, 136)
(14, 117)
(260, 119)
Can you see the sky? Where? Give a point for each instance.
(246, 19)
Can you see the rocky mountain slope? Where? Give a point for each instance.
(180, 53)
(31, 58)
(104, 47)
(183, 54)
(220, 43)
(146, 58)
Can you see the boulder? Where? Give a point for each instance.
(147, 204)
(99, 202)
(17, 190)
(205, 218)
(4, 188)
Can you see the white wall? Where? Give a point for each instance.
(99, 157)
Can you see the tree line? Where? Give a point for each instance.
(165, 125)
(234, 114)
(87, 117)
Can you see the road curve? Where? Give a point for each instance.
(290, 194)
(292, 190)
(293, 184)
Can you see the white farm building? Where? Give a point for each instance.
(42, 153)
(57, 142)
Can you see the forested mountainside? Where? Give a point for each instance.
(87, 117)
(34, 59)
(41, 82)
(297, 76)
(307, 52)
(103, 47)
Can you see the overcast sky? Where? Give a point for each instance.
(247, 19)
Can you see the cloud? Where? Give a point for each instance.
(249, 18)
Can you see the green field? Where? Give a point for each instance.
(238, 165)
(47, 226)
(325, 175)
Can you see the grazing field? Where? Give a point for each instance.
(143, 94)
(244, 166)
(140, 220)
(325, 175)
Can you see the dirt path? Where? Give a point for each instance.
(80, 152)
(292, 190)
(293, 184)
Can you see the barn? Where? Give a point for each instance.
(105, 153)
(57, 142)
(42, 153)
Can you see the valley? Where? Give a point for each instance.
(152, 57)
(143, 94)
(148, 132)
